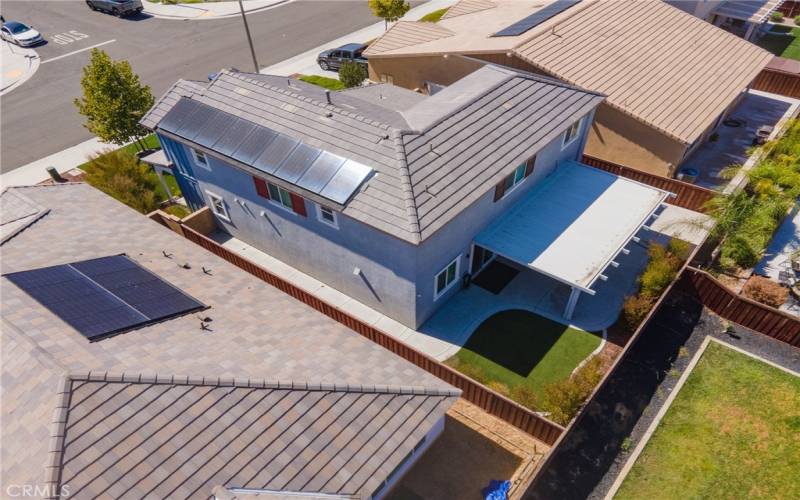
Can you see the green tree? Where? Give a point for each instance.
(352, 74)
(122, 176)
(389, 10)
(113, 100)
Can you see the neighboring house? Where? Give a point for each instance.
(170, 373)
(744, 18)
(670, 78)
(381, 192)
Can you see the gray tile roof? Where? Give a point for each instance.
(259, 337)
(17, 212)
(181, 88)
(479, 127)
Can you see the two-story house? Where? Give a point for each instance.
(395, 198)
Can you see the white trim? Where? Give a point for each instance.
(212, 196)
(279, 202)
(565, 142)
(196, 157)
(334, 223)
(450, 285)
(516, 184)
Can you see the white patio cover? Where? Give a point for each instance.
(573, 224)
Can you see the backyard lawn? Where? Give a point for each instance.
(787, 46)
(518, 347)
(733, 431)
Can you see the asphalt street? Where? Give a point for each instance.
(39, 117)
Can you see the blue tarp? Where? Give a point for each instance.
(497, 490)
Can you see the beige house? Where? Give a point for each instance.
(670, 77)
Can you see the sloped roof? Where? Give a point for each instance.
(17, 212)
(467, 7)
(754, 11)
(457, 121)
(405, 33)
(259, 338)
(662, 66)
(181, 88)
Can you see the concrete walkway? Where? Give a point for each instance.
(306, 63)
(34, 172)
(17, 64)
(206, 10)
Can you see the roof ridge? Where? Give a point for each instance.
(303, 97)
(257, 383)
(407, 187)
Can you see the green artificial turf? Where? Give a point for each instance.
(521, 348)
(733, 431)
(323, 81)
(434, 16)
(782, 45)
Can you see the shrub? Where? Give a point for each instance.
(660, 271)
(563, 399)
(498, 387)
(776, 16)
(525, 396)
(474, 372)
(352, 74)
(680, 249)
(122, 176)
(797, 20)
(634, 310)
(433, 17)
(765, 291)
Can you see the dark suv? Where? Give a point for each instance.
(117, 7)
(332, 59)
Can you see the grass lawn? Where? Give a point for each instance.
(521, 348)
(782, 45)
(151, 142)
(323, 81)
(433, 17)
(733, 431)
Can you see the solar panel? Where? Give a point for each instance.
(537, 18)
(271, 152)
(104, 296)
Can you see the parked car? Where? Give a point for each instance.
(21, 34)
(117, 7)
(332, 59)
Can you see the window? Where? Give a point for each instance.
(572, 133)
(446, 278)
(327, 216)
(513, 179)
(218, 206)
(200, 159)
(280, 196)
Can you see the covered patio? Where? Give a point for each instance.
(574, 230)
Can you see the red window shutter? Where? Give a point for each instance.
(500, 189)
(529, 166)
(261, 187)
(298, 204)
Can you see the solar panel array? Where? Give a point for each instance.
(537, 18)
(317, 171)
(104, 296)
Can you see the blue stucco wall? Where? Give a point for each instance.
(400, 276)
(326, 253)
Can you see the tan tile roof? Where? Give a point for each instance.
(258, 334)
(406, 33)
(657, 63)
(468, 7)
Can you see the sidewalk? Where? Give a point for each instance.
(18, 64)
(34, 172)
(306, 63)
(206, 10)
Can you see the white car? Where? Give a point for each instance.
(21, 34)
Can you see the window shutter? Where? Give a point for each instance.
(298, 204)
(529, 166)
(500, 189)
(261, 187)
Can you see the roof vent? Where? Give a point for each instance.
(328, 114)
(328, 96)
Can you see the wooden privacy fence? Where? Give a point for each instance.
(477, 394)
(741, 310)
(778, 82)
(790, 8)
(686, 195)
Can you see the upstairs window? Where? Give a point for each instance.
(280, 196)
(327, 216)
(200, 159)
(513, 179)
(446, 278)
(571, 134)
(218, 206)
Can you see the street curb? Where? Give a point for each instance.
(33, 65)
(224, 16)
